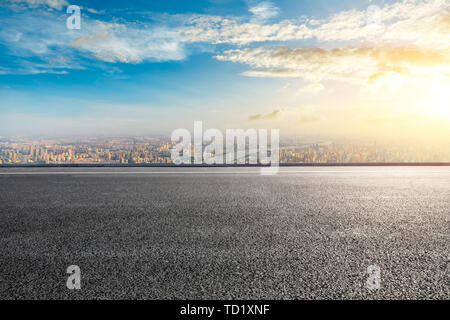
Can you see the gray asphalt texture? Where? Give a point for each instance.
(306, 233)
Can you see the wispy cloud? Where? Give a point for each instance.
(316, 64)
(270, 116)
(295, 115)
(130, 44)
(23, 4)
(32, 69)
(263, 11)
(362, 50)
(42, 38)
(268, 73)
(94, 11)
(409, 22)
(309, 119)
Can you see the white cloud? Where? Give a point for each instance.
(55, 4)
(217, 30)
(120, 43)
(268, 73)
(263, 12)
(43, 35)
(270, 116)
(410, 23)
(95, 11)
(296, 115)
(32, 70)
(316, 64)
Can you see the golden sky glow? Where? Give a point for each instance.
(364, 69)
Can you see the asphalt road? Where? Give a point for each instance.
(225, 233)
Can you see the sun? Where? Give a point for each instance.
(440, 104)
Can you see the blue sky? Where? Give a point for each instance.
(147, 67)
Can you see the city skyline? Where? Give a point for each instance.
(146, 150)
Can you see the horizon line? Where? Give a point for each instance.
(169, 165)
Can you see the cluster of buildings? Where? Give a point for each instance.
(352, 152)
(85, 151)
(158, 151)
